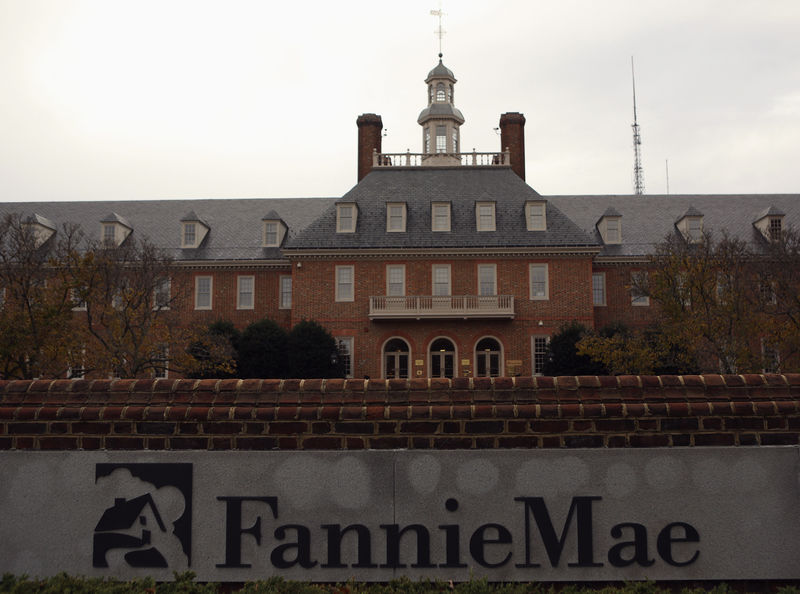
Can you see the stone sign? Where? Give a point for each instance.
(510, 515)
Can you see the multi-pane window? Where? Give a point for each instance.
(694, 226)
(396, 217)
(638, 296)
(455, 140)
(775, 228)
(440, 216)
(286, 292)
(487, 358)
(270, 234)
(202, 292)
(598, 288)
(440, 96)
(535, 215)
(441, 138)
(245, 287)
(161, 362)
(345, 347)
(539, 289)
(613, 234)
(484, 212)
(487, 279)
(344, 283)
(345, 218)
(396, 280)
(110, 233)
(161, 294)
(427, 140)
(441, 279)
(189, 234)
(539, 353)
(78, 302)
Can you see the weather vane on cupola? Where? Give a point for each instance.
(439, 32)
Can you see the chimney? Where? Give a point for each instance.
(512, 137)
(370, 127)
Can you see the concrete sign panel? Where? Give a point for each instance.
(512, 515)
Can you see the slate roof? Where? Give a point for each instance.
(648, 219)
(236, 224)
(462, 187)
(440, 70)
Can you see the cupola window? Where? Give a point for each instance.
(440, 92)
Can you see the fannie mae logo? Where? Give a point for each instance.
(148, 521)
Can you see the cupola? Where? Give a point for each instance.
(440, 120)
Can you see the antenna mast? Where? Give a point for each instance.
(638, 171)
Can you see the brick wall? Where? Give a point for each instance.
(523, 412)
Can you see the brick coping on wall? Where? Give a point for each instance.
(460, 413)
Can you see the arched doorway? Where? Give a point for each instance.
(443, 358)
(395, 359)
(488, 359)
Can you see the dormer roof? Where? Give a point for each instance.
(192, 217)
(271, 216)
(770, 211)
(37, 219)
(690, 212)
(113, 217)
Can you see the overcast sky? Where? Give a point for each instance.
(154, 99)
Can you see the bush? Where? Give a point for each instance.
(262, 351)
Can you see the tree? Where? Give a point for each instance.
(36, 300)
(564, 359)
(312, 351)
(213, 352)
(262, 351)
(131, 309)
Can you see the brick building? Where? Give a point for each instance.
(435, 264)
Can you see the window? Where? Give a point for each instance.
(539, 351)
(455, 140)
(396, 280)
(110, 233)
(344, 283)
(440, 96)
(395, 359)
(638, 282)
(598, 288)
(775, 229)
(202, 292)
(613, 230)
(487, 279)
(270, 234)
(771, 357)
(441, 139)
(345, 218)
(694, 229)
(535, 216)
(487, 358)
(484, 213)
(286, 292)
(440, 216)
(441, 279)
(539, 282)
(161, 362)
(244, 290)
(161, 294)
(427, 140)
(443, 358)
(78, 302)
(766, 291)
(344, 345)
(189, 234)
(396, 217)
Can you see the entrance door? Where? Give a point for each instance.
(395, 359)
(487, 358)
(443, 356)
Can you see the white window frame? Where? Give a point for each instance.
(395, 222)
(542, 340)
(73, 296)
(536, 216)
(442, 207)
(480, 224)
(272, 228)
(342, 225)
(197, 304)
(285, 288)
(344, 344)
(390, 283)
(110, 233)
(638, 300)
(599, 289)
(445, 269)
(163, 372)
(694, 229)
(491, 271)
(162, 289)
(535, 294)
(242, 293)
(345, 288)
(767, 351)
(616, 229)
(189, 229)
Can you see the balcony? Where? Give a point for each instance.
(409, 159)
(446, 306)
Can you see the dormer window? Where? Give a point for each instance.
(346, 218)
(610, 227)
(193, 231)
(770, 223)
(691, 225)
(484, 215)
(41, 228)
(114, 229)
(273, 230)
(440, 216)
(396, 217)
(613, 231)
(535, 216)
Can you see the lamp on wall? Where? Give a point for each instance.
(541, 323)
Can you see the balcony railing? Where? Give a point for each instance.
(445, 306)
(409, 159)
